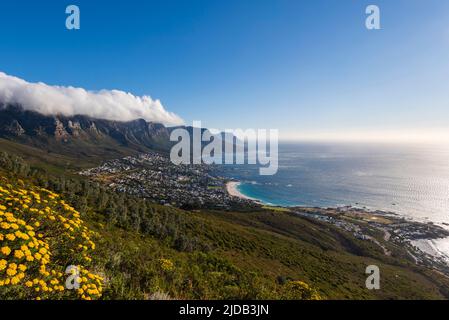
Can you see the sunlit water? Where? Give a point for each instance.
(410, 180)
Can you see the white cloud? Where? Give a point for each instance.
(69, 101)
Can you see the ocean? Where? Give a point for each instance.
(411, 180)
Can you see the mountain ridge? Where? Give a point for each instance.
(15, 122)
(84, 137)
(80, 136)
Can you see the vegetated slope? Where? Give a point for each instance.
(149, 251)
(40, 236)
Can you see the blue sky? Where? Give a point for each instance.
(308, 68)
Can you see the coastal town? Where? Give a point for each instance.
(386, 230)
(153, 176)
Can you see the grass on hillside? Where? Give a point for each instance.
(147, 251)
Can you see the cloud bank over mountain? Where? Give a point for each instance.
(104, 104)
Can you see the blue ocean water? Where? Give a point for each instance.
(411, 180)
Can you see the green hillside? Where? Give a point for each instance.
(144, 250)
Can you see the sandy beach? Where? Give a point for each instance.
(232, 189)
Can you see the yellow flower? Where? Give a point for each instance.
(5, 225)
(15, 280)
(42, 210)
(6, 251)
(166, 264)
(10, 237)
(11, 272)
(19, 254)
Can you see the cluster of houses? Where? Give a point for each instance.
(363, 224)
(153, 176)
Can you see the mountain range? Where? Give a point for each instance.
(82, 137)
(60, 132)
(253, 252)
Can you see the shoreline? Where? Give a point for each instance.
(434, 249)
(232, 189)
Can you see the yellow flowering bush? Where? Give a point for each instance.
(299, 290)
(166, 265)
(40, 236)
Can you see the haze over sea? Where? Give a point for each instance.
(411, 180)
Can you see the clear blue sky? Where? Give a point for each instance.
(306, 66)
